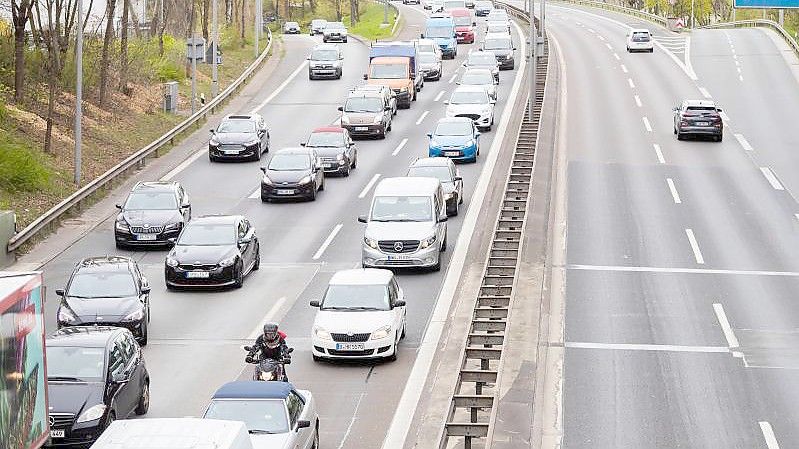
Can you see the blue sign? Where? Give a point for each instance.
(761, 4)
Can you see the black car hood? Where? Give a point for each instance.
(235, 138)
(290, 176)
(324, 152)
(109, 309)
(188, 254)
(74, 397)
(151, 217)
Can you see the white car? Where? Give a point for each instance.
(277, 415)
(291, 28)
(362, 315)
(334, 32)
(472, 102)
(482, 78)
(640, 40)
(428, 46)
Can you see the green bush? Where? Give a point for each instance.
(20, 168)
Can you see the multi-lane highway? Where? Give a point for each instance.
(196, 337)
(681, 276)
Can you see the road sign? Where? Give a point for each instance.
(760, 4)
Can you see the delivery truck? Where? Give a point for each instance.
(174, 433)
(395, 64)
(23, 376)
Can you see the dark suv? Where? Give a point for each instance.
(95, 375)
(336, 149)
(153, 213)
(239, 137)
(107, 290)
(213, 251)
(698, 118)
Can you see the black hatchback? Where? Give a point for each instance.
(95, 375)
(213, 251)
(239, 137)
(107, 290)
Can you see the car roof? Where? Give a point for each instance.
(703, 103)
(84, 336)
(160, 186)
(639, 30)
(241, 117)
(215, 219)
(362, 276)
(460, 12)
(455, 119)
(482, 53)
(328, 129)
(295, 150)
(477, 69)
(469, 88)
(370, 88)
(325, 47)
(104, 264)
(432, 162)
(365, 93)
(250, 389)
(496, 36)
(404, 186)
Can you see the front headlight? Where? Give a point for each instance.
(305, 180)
(370, 242)
(383, 332)
(172, 262)
(213, 143)
(121, 225)
(135, 316)
(448, 196)
(93, 413)
(378, 118)
(267, 376)
(321, 333)
(428, 242)
(228, 262)
(65, 315)
(345, 120)
(267, 181)
(172, 226)
(340, 157)
(434, 144)
(469, 143)
(252, 143)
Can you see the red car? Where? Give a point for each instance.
(464, 25)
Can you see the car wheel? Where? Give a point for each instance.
(238, 282)
(437, 266)
(393, 356)
(144, 400)
(355, 161)
(628, 50)
(675, 130)
(121, 245)
(111, 418)
(211, 157)
(346, 171)
(145, 332)
(679, 136)
(264, 199)
(390, 124)
(404, 325)
(257, 263)
(651, 50)
(452, 211)
(719, 138)
(345, 40)
(316, 437)
(382, 135)
(312, 196)
(322, 185)
(257, 156)
(443, 246)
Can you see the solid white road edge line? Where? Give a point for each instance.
(629, 269)
(631, 83)
(646, 347)
(624, 68)
(729, 335)
(422, 117)
(281, 87)
(255, 194)
(440, 94)
(673, 191)
(400, 147)
(616, 55)
(694, 246)
(637, 101)
(270, 316)
(451, 80)
(659, 153)
(647, 125)
(742, 140)
(704, 92)
(610, 47)
(327, 241)
(768, 434)
(182, 166)
(771, 178)
(369, 185)
(403, 415)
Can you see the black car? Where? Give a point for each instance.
(153, 213)
(95, 375)
(698, 118)
(502, 47)
(107, 290)
(213, 251)
(336, 149)
(293, 173)
(239, 137)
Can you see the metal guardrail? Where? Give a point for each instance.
(620, 9)
(137, 159)
(472, 410)
(759, 23)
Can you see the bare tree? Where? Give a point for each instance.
(123, 47)
(20, 15)
(110, 7)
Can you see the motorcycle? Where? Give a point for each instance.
(267, 369)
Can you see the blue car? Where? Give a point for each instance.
(456, 138)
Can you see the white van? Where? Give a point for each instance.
(406, 225)
(174, 433)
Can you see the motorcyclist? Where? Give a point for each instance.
(271, 344)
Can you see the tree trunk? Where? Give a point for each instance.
(206, 10)
(104, 60)
(312, 4)
(190, 33)
(338, 10)
(48, 134)
(353, 13)
(241, 12)
(20, 16)
(123, 48)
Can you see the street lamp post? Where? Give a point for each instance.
(692, 14)
(214, 46)
(79, 92)
(533, 56)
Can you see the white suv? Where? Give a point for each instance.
(640, 40)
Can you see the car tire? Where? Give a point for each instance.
(651, 50)
(264, 199)
(211, 157)
(453, 212)
(257, 156)
(675, 131)
(316, 437)
(120, 245)
(145, 332)
(257, 264)
(144, 401)
(322, 185)
(390, 124)
(312, 196)
(443, 246)
(680, 136)
(345, 40)
(628, 50)
(238, 281)
(354, 161)
(393, 356)
(111, 418)
(316, 358)
(720, 137)
(404, 325)
(437, 266)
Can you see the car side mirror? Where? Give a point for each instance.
(477, 134)
(719, 110)
(430, 135)
(185, 206)
(442, 219)
(145, 289)
(59, 292)
(308, 58)
(514, 48)
(172, 240)
(303, 424)
(248, 348)
(118, 206)
(120, 378)
(365, 77)
(458, 178)
(263, 169)
(362, 219)
(302, 144)
(399, 303)
(458, 83)
(446, 101)
(422, 35)
(315, 303)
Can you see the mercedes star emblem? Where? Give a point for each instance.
(398, 246)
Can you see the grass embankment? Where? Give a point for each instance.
(32, 181)
(371, 17)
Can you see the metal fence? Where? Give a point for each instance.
(136, 160)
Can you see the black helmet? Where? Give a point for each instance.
(271, 336)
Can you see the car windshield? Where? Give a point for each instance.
(102, 284)
(389, 71)
(82, 364)
(363, 104)
(497, 43)
(641, 37)
(483, 5)
(290, 162)
(475, 77)
(356, 297)
(236, 126)
(428, 58)
(463, 97)
(700, 109)
(334, 26)
(325, 139)
(459, 128)
(207, 234)
(438, 32)
(259, 415)
(427, 48)
(462, 20)
(454, 4)
(497, 15)
(151, 201)
(292, 24)
(482, 59)
(324, 55)
(496, 28)
(318, 22)
(441, 173)
(402, 208)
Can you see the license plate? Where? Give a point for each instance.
(350, 346)
(285, 192)
(399, 257)
(701, 123)
(361, 128)
(57, 433)
(198, 274)
(330, 166)
(231, 151)
(452, 153)
(145, 237)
